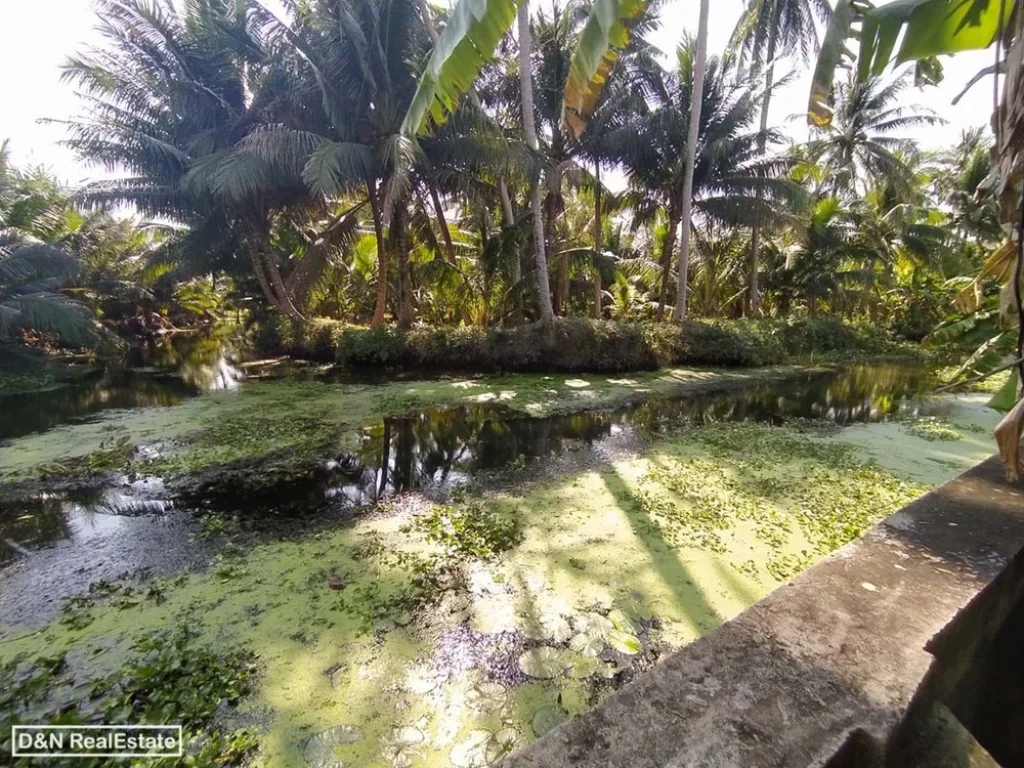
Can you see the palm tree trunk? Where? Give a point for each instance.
(506, 202)
(400, 241)
(517, 265)
(666, 261)
(755, 233)
(279, 287)
(428, 20)
(696, 96)
(561, 265)
(267, 273)
(547, 313)
(598, 231)
(382, 259)
(449, 247)
(261, 278)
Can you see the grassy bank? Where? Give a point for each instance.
(579, 345)
(450, 635)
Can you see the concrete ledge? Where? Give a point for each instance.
(841, 649)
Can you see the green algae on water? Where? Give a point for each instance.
(294, 423)
(465, 630)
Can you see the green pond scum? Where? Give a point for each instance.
(292, 424)
(450, 635)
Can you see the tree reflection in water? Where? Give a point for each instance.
(160, 372)
(443, 445)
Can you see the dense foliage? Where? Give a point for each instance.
(337, 163)
(578, 344)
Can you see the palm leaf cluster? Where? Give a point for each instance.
(376, 160)
(33, 266)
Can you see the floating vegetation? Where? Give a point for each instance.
(471, 529)
(77, 611)
(112, 455)
(931, 428)
(449, 634)
(168, 678)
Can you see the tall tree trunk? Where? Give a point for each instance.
(279, 287)
(428, 20)
(755, 233)
(261, 277)
(449, 246)
(506, 202)
(381, 304)
(561, 266)
(696, 96)
(400, 241)
(598, 240)
(547, 313)
(666, 261)
(517, 265)
(267, 273)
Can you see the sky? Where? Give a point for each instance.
(37, 35)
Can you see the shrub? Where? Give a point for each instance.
(315, 339)
(575, 345)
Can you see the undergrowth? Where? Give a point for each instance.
(578, 344)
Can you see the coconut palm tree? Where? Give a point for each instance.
(547, 312)
(168, 100)
(696, 102)
(812, 271)
(729, 167)
(858, 147)
(765, 29)
(469, 40)
(961, 179)
(566, 158)
(34, 265)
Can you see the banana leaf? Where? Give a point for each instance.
(468, 42)
(605, 33)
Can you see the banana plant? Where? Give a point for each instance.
(469, 40)
(925, 29)
(929, 28)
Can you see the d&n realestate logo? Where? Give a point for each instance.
(96, 741)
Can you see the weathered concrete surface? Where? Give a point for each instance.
(841, 648)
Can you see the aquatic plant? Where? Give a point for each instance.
(168, 678)
(471, 529)
(931, 428)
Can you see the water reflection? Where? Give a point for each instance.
(201, 362)
(444, 446)
(55, 545)
(79, 516)
(161, 372)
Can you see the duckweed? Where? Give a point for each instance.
(456, 632)
(168, 678)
